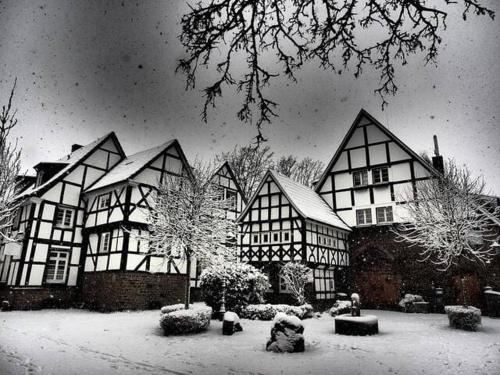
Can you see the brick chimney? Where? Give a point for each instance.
(75, 147)
(437, 160)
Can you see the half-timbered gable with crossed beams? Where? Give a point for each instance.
(371, 175)
(287, 221)
(116, 224)
(49, 224)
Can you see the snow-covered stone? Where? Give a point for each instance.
(286, 334)
(231, 323)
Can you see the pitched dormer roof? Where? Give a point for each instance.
(304, 200)
(231, 173)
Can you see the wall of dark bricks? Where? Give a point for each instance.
(112, 291)
(39, 297)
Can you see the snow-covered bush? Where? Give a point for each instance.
(340, 307)
(268, 311)
(296, 276)
(244, 284)
(182, 321)
(410, 298)
(463, 317)
(171, 308)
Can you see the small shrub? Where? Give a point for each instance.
(268, 311)
(296, 275)
(244, 284)
(340, 307)
(463, 317)
(182, 321)
(171, 308)
(410, 298)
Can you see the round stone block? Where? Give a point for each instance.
(356, 325)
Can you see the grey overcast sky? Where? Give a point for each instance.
(85, 68)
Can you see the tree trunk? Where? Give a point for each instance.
(187, 295)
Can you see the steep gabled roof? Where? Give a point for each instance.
(71, 161)
(231, 173)
(132, 165)
(362, 113)
(304, 200)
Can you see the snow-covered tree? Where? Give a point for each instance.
(10, 166)
(187, 220)
(305, 171)
(295, 275)
(448, 218)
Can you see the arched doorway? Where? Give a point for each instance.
(375, 279)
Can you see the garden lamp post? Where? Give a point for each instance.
(222, 309)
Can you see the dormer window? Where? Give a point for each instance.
(360, 178)
(380, 175)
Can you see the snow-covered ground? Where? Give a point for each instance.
(83, 342)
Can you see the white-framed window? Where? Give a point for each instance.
(104, 201)
(104, 246)
(286, 236)
(360, 178)
(364, 216)
(384, 215)
(64, 217)
(57, 267)
(276, 236)
(380, 175)
(265, 237)
(255, 238)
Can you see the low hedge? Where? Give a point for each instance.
(463, 317)
(268, 311)
(340, 307)
(180, 321)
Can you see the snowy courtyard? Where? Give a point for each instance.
(83, 342)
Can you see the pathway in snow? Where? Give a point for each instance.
(82, 342)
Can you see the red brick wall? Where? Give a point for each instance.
(111, 291)
(37, 298)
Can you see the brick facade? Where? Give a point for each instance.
(39, 297)
(111, 291)
(383, 270)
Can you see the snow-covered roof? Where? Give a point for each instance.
(70, 161)
(129, 166)
(309, 204)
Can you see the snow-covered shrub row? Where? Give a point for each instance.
(340, 307)
(268, 311)
(244, 284)
(463, 317)
(410, 298)
(196, 319)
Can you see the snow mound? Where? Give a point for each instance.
(171, 308)
(340, 307)
(410, 298)
(195, 319)
(268, 311)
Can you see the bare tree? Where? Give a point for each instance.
(10, 166)
(307, 171)
(249, 164)
(337, 34)
(295, 276)
(449, 218)
(285, 165)
(187, 220)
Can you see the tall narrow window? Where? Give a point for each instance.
(104, 201)
(364, 217)
(105, 242)
(57, 267)
(255, 238)
(380, 175)
(286, 236)
(64, 217)
(360, 178)
(384, 215)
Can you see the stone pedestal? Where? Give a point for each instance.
(356, 325)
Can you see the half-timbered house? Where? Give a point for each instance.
(287, 221)
(119, 270)
(45, 264)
